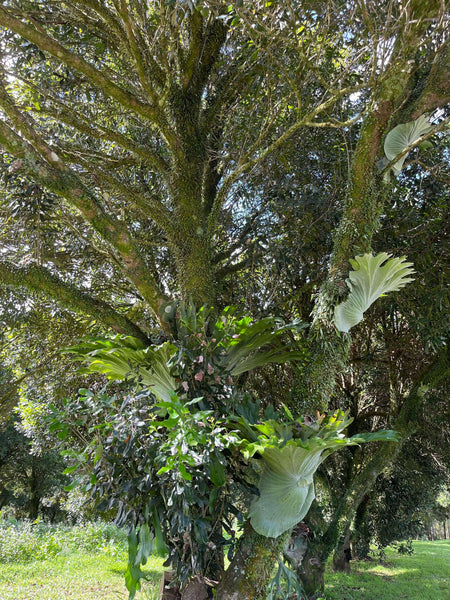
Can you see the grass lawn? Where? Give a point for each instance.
(74, 577)
(98, 576)
(425, 575)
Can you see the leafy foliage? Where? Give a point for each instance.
(31, 484)
(26, 541)
(172, 432)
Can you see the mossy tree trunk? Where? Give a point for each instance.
(250, 571)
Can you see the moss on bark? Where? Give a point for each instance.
(250, 571)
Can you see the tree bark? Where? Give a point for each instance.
(35, 497)
(250, 571)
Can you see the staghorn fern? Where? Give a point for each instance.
(124, 356)
(401, 137)
(373, 276)
(286, 484)
(236, 345)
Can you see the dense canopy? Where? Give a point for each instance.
(160, 156)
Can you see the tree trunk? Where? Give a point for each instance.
(342, 555)
(35, 499)
(360, 540)
(311, 571)
(194, 269)
(250, 571)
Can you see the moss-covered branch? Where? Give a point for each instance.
(365, 199)
(39, 279)
(48, 44)
(110, 88)
(57, 177)
(135, 45)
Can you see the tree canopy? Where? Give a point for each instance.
(165, 154)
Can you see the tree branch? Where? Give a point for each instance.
(39, 279)
(248, 161)
(66, 183)
(48, 44)
(53, 47)
(135, 52)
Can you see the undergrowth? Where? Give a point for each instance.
(24, 541)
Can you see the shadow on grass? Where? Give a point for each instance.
(421, 576)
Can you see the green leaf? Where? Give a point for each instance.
(70, 469)
(184, 474)
(160, 545)
(145, 547)
(217, 473)
(133, 571)
(385, 435)
(98, 453)
(286, 490)
(373, 276)
(403, 136)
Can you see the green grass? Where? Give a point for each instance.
(425, 575)
(88, 563)
(74, 577)
(44, 562)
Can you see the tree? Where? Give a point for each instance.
(132, 130)
(27, 479)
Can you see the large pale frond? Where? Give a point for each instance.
(121, 357)
(401, 137)
(373, 276)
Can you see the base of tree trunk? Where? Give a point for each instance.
(251, 569)
(342, 557)
(311, 575)
(165, 592)
(195, 590)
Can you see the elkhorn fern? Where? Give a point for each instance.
(373, 276)
(401, 137)
(286, 484)
(125, 356)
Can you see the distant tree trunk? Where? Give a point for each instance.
(342, 555)
(360, 541)
(35, 498)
